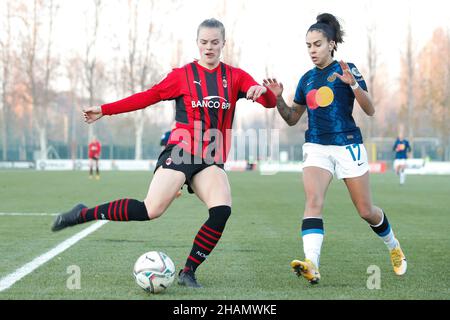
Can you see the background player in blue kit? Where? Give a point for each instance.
(402, 148)
(334, 143)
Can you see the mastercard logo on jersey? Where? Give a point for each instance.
(401, 147)
(322, 97)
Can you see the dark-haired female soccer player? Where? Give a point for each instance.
(334, 143)
(402, 148)
(205, 92)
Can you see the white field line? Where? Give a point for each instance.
(26, 269)
(26, 214)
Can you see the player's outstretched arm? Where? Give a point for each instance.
(290, 114)
(254, 91)
(92, 114)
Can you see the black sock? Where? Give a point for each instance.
(119, 210)
(90, 171)
(208, 236)
(384, 228)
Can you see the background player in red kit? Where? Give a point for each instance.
(94, 151)
(205, 92)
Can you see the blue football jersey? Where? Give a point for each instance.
(329, 103)
(401, 148)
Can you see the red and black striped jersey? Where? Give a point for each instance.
(205, 105)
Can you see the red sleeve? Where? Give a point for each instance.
(267, 100)
(167, 89)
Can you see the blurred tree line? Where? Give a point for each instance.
(37, 117)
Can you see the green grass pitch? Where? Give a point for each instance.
(253, 256)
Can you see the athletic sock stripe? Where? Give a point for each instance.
(206, 241)
(200, 245)
(312, 223)
(120, 210)
(126, 209)
(309, 231)
(383, 228)
(213, 231)
(193, 259)
(208, 235)
(115, 210)
(386, 232)
(95, 213)
(83, 214)
(109, 210)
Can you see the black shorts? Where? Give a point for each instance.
(195, 165)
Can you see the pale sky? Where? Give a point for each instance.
(272, 32)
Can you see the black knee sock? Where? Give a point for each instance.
(208, 236)
(119, 210)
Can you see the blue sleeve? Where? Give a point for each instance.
(358, 76)
(300, 97)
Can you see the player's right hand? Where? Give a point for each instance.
(92, 114)
(274, 86)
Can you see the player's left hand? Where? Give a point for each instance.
(347, 76)
(256, 91)
(92, 114)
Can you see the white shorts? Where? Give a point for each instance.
(342, 161)
(399, 162)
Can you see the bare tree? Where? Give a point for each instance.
(232, 50)
(90, 63)
(446, 118)
(141, 66)
(433, 100)
(5, 45)
(39, 69)
(372, 59)
(73, 67)
(410, 85)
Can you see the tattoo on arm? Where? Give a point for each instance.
(285, 111)
(292, 114)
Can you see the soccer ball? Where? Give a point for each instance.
(154, 271)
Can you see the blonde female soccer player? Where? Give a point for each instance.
(205, 92)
